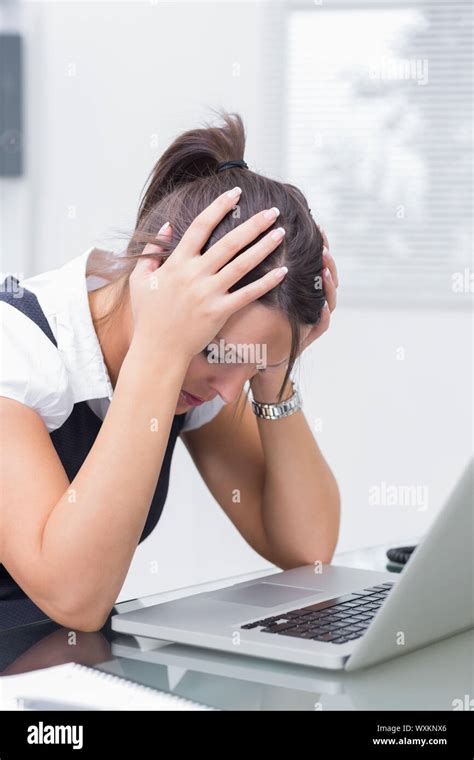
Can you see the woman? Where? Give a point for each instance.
(98, 382)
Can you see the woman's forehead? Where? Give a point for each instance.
(257, 324)
(258, 320)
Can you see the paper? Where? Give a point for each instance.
(93, 689)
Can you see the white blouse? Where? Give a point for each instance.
(52, 379)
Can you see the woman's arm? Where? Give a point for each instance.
(272, 481)
(69, 546)
(269, 476)
(300, 503)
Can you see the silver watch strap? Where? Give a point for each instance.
(277, 411)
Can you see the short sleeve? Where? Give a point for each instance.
(199, 415)
(31, 369)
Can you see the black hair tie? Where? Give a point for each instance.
(230, 164)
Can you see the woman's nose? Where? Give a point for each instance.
(230, 384)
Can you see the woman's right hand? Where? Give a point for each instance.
(184, 300)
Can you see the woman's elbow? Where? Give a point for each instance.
(84, 620)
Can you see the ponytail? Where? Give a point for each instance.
(192, 155)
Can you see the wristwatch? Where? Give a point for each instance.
(277, 411)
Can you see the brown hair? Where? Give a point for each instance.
(184, 181)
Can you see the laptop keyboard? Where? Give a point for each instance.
(337, 620)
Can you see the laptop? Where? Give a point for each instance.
(419, 681)
(331, 616)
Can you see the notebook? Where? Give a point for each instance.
(83, 687)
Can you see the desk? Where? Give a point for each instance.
(428, 679)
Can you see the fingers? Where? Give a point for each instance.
(329, 289)
(325, 240)
(240, 266)
(254, 290)
(328, 259)
(329, 262)
(201, 228)
(323, 323)
(226, 248)
(164, 233)
(145, 265)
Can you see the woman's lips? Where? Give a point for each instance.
(189, 399)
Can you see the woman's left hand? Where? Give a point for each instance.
(274, 375)
(331, 283)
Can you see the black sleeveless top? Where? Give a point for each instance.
(72, 441)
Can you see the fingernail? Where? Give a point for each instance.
(281, 271)
(235, 192)
(327, 274)
(164, 228)
(278, 233)
(325, 305)
(271, 213)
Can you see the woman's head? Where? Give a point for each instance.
(183, 183)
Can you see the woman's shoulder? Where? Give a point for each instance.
(31, 369)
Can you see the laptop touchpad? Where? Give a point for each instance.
(263, 594)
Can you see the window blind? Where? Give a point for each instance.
(378, 135)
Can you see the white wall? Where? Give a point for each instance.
(403, 421)
(108, 85)
(102, 80)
